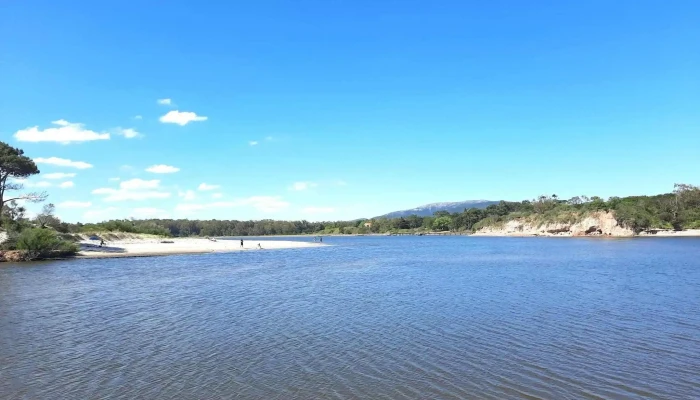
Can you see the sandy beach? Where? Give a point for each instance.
(144, 247)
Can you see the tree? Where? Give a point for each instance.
(575, 201)
(13, 217)
(46, 216)
(15, 165)
(442, 223)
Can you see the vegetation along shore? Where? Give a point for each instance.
(45, 236)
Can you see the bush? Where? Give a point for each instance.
(10, 242)
(44, 243)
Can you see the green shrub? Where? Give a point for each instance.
(44, 243)
(10, 242)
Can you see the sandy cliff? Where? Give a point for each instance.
(596, 224)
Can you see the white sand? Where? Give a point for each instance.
(157, 247)
(670, 233)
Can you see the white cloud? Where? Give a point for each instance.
(138, 117)
(262, 203)
(205, 186)
(104, 191)
(114, 179)
(62, 162)
(59, 175)
(128, 133)
(66, 185)
(181, 118)
(188, 195)
(149, 212)
(126, 195)
(318, 210)
(267, 203)
(162, 169)
(98, 215)
(202, 206)
(65, 132)
(40, 184)
(253, 143)
(74, 204)
(299, 186)
(136, 184)
(165, 102)
(216, 195)
(134, 189)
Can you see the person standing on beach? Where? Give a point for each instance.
(241, 243)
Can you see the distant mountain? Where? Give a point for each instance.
(428, 209)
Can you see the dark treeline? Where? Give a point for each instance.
(677, 210)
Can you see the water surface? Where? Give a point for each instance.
(370, 317)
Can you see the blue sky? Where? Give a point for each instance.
(342, 109)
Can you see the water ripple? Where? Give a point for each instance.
(384, 318)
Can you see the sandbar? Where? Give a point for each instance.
(137, 247)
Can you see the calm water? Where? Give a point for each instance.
(393, 318)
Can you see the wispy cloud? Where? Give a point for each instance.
(64, 132)
(66, 185)
(162, 169)
(62, 162)
(206, 186)
(59, 175)
(165, 102)
(188, 195)
(102, 214)
(134, 189)
(181, 117)
(74, 204)
(138, 117)
(318, 210)
(149, 212)
(140, 184)
(30, 184)
(268, 204)
(128, 133)
(300, 186)
(253, 143)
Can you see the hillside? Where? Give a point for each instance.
(451, 207)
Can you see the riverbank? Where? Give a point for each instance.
(150, 247)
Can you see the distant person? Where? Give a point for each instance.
(102, 242)
(241, 243)
(259, 247)
(320, 238)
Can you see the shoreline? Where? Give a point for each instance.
(656, 234)
(139, 247)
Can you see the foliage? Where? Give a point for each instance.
(46, 217)
(15, 165)
(13, 217)
(44, 243)
(679, 210)
(442, 223)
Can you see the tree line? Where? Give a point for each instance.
(679, 209)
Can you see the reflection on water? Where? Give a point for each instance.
(413, 317)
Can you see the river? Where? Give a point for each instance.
(368, 317)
